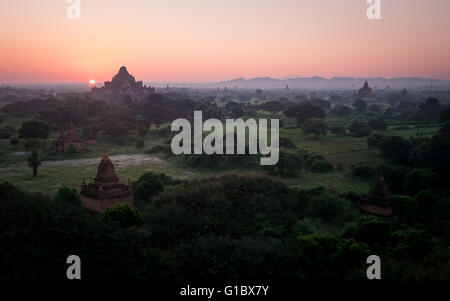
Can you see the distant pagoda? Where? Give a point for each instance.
(106, 190)
(63, 142)
(122, 86)
(365, 91)
(379, 203)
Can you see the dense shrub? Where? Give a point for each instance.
(418, 180)
(286, 143)
(371, 230)
(377, 124)
(151, 184)
(319, 203)
(288, 163)
(373, 141)
(360, 170)
(395, 148)
(321, 166)
(359, 129)
(394, 176)
(123, 215)
(426, 199)
(140, 143)
(310, 158)
(69, 196)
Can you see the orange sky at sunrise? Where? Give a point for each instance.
(213, 40)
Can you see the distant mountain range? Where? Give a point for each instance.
(335, 83)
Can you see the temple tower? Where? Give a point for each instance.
(106, 190)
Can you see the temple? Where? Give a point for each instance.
(379, 203)
(63, 142)
(122, 86)
(365, 91)
(106, 190)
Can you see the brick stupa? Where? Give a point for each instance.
(106, 190)
(62, 144)
(379, 203)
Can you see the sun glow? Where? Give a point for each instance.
(92, 82)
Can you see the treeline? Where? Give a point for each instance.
(229, 227)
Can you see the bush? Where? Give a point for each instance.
(319, 203)
(289, 162)
(395, 148)
(321, 166)
(414, 243)
(123, 215)
(373, 141)
(287, 143)
(426, 199)
(4, 134)
(378, 124)
(72, 149)
(165, 149)
(68, 195)
(14, 142)
(151, 184)
(394, 175)
(359, 129)
(324, 256)
(338, 130)
(406, 210)
(360, 170)
(418, 180)
(315, 126)
(370, 230)
(140, 143)
(310, 158)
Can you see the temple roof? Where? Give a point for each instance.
(71, 132)
(106, 172)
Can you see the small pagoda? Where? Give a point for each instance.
(106, 190)
(63, 142)
(365, 91)
(379, 203)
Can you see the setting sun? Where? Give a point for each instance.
(92, 82)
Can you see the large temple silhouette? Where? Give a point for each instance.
(106, 190)
(122, 86)
(365, 92)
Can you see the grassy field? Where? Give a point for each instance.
(59, 170)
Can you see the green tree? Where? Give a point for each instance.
(378, 124)
(151, 184)
(34, 129)
(33, 146)
(67, 195)
(14, 142)
(140, 143)
(359, 129)
(395, 148)
(123, 215)
(304, 111)
(360, 106)
(317, 127)
(338, 130)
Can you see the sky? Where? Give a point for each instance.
(214, 40)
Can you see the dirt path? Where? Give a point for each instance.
(118, 161)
